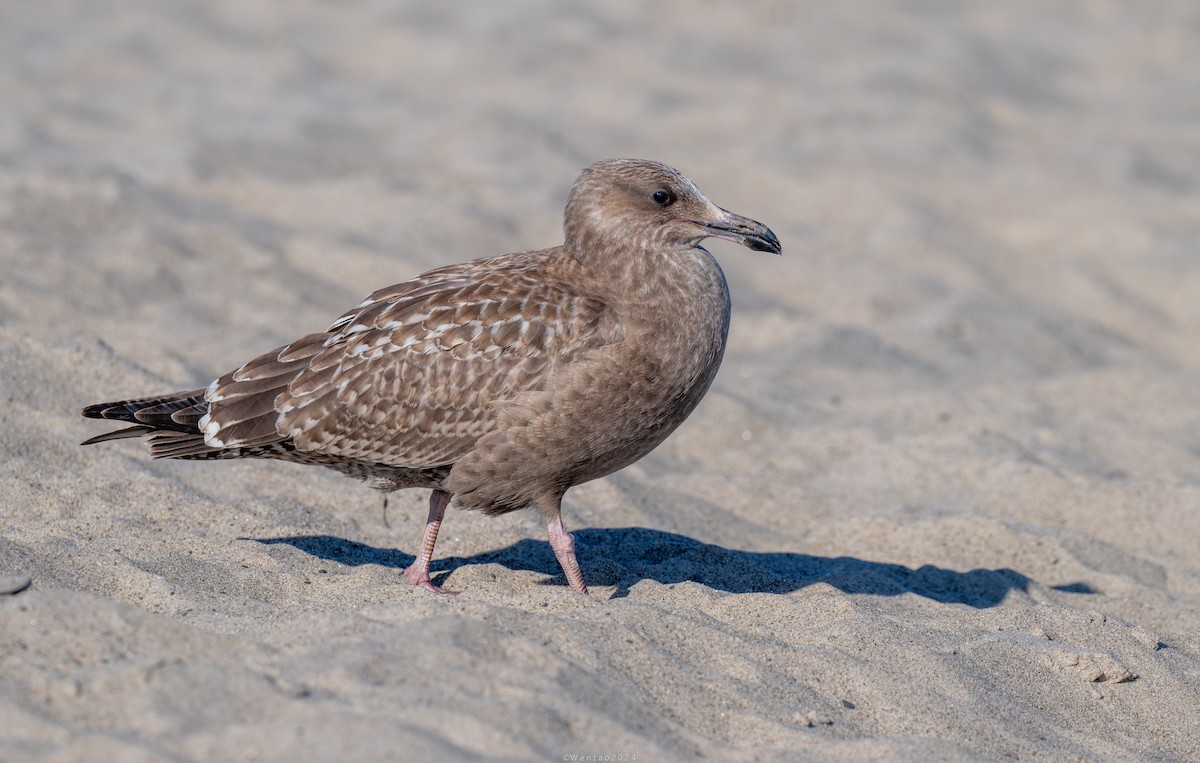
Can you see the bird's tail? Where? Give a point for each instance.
(171, 421)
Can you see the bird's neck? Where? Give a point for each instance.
(651, 273)
(675, 293)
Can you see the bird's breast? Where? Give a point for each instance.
(682, 320)
(674, 342)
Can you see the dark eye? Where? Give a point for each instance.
(663, 198)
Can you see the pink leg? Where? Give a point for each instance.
(418, 572)
(564, 548)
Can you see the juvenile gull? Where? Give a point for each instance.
(498, 383)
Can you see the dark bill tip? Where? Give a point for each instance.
(742, 230)
(765, 242)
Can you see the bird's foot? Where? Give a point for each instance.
(429, 586)
(420, 578)
(418, 572)
(563, 544)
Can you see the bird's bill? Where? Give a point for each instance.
(742, 230)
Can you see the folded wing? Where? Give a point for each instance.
(412, 375)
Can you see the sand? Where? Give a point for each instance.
(941, 503)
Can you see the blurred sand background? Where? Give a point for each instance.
(941, 503)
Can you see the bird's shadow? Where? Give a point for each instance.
(621, 557)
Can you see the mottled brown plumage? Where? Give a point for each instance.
(498, 383)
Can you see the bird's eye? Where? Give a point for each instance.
(663, 198)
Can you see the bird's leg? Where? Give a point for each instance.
(418, 572)
(563, 544)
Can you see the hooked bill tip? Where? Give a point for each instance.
(768, 243)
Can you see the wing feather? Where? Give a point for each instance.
(414, 381)
(411, 376)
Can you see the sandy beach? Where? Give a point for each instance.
(942, 502)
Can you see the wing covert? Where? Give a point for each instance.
(410, 377)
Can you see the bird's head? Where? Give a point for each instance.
(650, 204)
